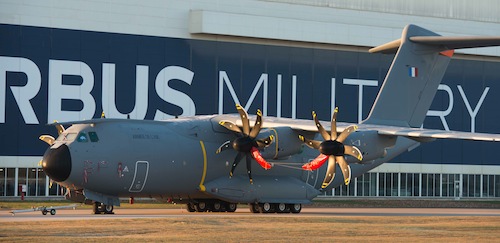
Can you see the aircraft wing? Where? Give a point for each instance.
(299, 124)
(418, 133)
(415, 133)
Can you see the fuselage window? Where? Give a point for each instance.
(93, 137)
(82, 137)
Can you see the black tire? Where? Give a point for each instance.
(231, 207)
(217, 207)
(190, 207)
(281, 208)
(266, 208)
(108, 209)
(295, 208)
(201, 207)
(44, 212)
(52, 212)
(254, 207)
(97, 208)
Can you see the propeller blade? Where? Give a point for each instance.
(346, 133)
(249, 167)
(237, 160)
(311, 143)
(60, 128)
(262, 143)
(330, 172)
(316, 163)
(258, 123)
(48, 139)
(223, 147)
(244, 119)
(346, 169)
(258, 157)
(321, 130)
(353, 151)
(230, 126)
(333, 132)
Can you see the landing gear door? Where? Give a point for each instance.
(140, 176)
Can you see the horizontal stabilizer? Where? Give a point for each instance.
(444, 42)
(457, 42)
(387, 48)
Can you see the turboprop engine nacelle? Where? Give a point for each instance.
(286, 142)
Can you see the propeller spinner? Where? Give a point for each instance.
(332, 149)
(246, 143)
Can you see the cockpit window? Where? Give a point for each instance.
(82, 137)
(93, 137)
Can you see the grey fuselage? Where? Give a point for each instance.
(175, 159)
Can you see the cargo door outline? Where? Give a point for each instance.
(140, 176)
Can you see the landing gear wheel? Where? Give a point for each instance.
(266, 208)
(231, 207)
(281, 208)
(100, 208)
(52, 212)
(108, 209)
(295, 208)
(254, 207)
(217, 207)
(96, 208)
(44, 212)
(190, 207)
(201, 207)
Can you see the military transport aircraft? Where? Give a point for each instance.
(194, 160)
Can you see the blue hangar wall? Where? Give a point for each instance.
(48, 74)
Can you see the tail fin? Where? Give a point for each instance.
(417, 69)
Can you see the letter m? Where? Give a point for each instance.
(224, 79)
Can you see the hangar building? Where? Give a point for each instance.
(71, 60)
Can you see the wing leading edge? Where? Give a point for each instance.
(415, 133)
(418, 133)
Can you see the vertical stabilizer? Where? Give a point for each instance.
(412, 80)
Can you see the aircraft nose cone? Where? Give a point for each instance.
(56, 163)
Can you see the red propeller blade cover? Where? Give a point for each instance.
(316, 163)
(258, 157)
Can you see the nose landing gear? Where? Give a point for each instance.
(101, 208)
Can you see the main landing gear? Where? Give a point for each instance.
(211, 206)
(222, 206)
(274, 208)
(101, 208)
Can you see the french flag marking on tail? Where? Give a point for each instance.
(413, 71)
